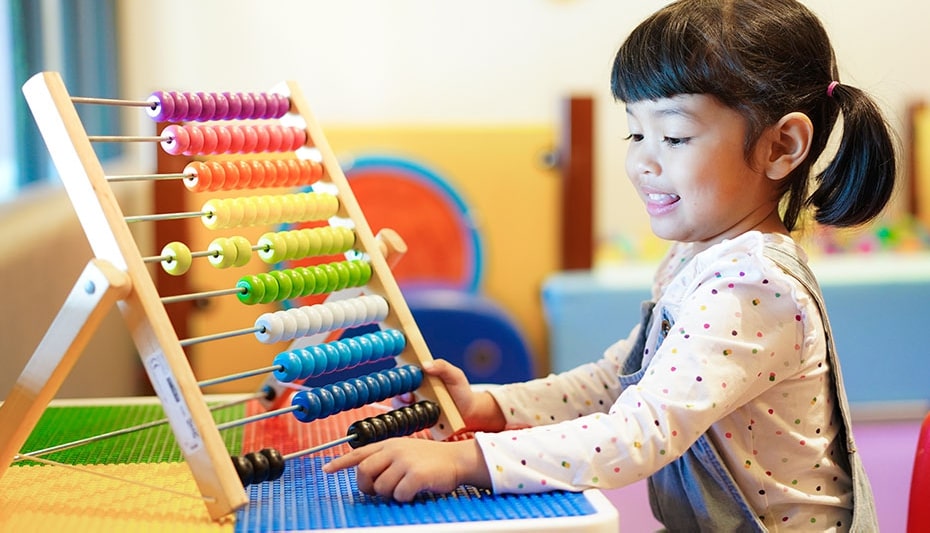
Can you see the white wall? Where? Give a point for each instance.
(478, 62)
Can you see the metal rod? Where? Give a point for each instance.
(256, 418)
(166, 216)
(219, 336)
(146, 177)
(118, 432)
(111, 101)
(204, 294)
(126, 138)
(240, 375)
(321, 447)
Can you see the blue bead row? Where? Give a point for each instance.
(320, 402)
(320, 359)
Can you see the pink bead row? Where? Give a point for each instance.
(172, 106)
(191, 140)
(250, 174)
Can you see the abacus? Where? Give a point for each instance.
(361, 289)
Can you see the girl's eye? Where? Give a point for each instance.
(635, 137)
(676, 141)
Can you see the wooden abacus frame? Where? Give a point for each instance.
(119, 275)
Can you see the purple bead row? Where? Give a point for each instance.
(173, 106)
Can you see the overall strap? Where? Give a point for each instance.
(864, 515)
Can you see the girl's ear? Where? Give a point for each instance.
(789, 142)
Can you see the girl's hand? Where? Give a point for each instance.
(400, 468)
(479, 409)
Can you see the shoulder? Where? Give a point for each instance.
(739, 264)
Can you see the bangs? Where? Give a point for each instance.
(674, 53)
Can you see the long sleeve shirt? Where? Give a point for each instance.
(736, 349)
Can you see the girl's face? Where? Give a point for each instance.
(687, 161)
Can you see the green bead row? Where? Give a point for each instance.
(290, 283)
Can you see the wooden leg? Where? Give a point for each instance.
(94, 294)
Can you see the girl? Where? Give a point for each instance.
(728, 396)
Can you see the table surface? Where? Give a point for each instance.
(162, 493)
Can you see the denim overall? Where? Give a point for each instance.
(696, 492)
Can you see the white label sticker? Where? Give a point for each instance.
(166, 387)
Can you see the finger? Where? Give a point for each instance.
(407, 489)
(350, 459)
(387, 480)
(403, 400)
(446, 371)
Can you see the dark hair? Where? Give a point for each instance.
(765, 59)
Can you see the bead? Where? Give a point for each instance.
(364, 432)
(361, 390)
(293, 243)
(345, 355)
(224, 253)
(180, 107)
(198, 177)
(273, 248)
(248, 105)
(339, 317)
(291, 367)
(303, 322)
(243, 469)
(290, 325)
(285, 287)
(235, 105)
(339, 398)
(315, 318)
(260, 468)
(318, 354)
(327, 402)
(270, 328)
(176, 139)
(275, 463)
(326, 316)
(162, 106)
(222, 107)
(355, 352)
(250, 140)
(377, 346)
(243, 250)
(275, 137)
(262, 139)
(260, 108)
(364, 343)
(416, 376)
(271, 288)
(209, 106)
(180, 258)
(387, 341)
(326, 238)
(361, 311)
(374, 388)
(342, 275)
(400, 342)
(237, 209)
(196, 140)
(309, 280)
(297, 283)
(254, 289)
(194, 106)
(347, 310)
(406, 379)
(211, 216)
(314, 242)
(332, 358)
(302, 249)
(308, 406)
(307, 363)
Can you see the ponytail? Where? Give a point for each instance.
(858, 182)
